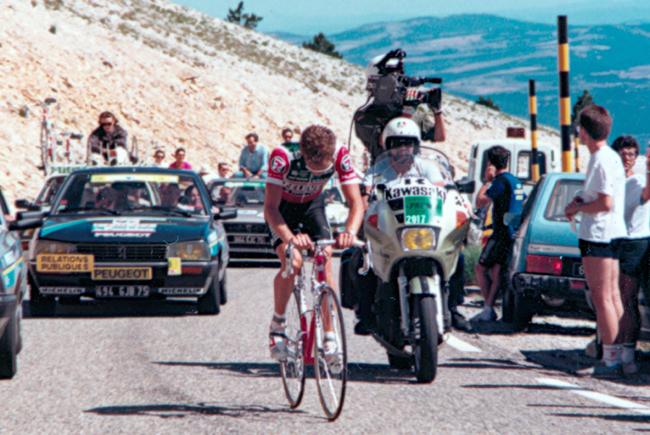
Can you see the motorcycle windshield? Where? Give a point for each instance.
(410, 162)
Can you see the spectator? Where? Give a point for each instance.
(287, 136)
(224, 169)
(107, 138)
(170, 193)
(193, 197)
(254, 159)
(180, 162)
(507, 196)
(206, 174)
(158, 156)
(634, 247)
(603, 224)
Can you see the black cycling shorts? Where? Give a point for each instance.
(496, 251)
(633, 256)
(600, 250)
(310, 214)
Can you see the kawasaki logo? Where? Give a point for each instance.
(400, 192)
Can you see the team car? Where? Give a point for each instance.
(248, 234)
(545, 269)
(138, 233)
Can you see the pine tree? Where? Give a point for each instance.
(322, 45)
(237, 16)
(584, 100)
(487, 102)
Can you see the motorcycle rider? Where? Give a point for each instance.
(400, 140)
(393, 98)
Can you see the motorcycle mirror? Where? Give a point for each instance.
(466, 186)
(512, 220)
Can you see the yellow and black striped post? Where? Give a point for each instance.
(565, 97)
(532, 108)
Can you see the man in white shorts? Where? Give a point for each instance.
(603, 224)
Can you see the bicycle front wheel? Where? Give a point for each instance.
(330, 353)
(293, 368)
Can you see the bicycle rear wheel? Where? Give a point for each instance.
(293, 368)
(330, 353)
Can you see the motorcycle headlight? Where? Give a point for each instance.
(195, 250)
(51, 247)
(414, 239)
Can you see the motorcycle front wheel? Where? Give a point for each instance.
(426, 347)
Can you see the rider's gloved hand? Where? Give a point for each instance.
(345, 240)
(302, 241)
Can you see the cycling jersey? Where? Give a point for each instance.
(299, 185)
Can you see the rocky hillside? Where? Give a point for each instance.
(179, 78)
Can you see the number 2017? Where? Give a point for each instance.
(416, 219)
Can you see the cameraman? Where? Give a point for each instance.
(392, 95)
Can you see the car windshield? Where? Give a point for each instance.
(117, 194)
(49, 191)
(411, 162)
(240, 193)
(563, 193)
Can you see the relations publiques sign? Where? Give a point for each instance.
(64, 263)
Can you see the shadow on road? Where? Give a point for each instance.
(118, 308)
(502, 328)
(171, 410)
(471, 363)
(357, 372)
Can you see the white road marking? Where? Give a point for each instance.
(614, 401)
(461, 345)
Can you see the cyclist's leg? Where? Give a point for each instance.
(282, 287)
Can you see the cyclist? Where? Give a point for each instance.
(293, 197)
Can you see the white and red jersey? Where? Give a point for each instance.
(288, 169)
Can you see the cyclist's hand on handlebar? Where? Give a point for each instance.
(345, 240)
(302, 241)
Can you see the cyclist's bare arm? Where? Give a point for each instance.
(352, 195)
(272, 199)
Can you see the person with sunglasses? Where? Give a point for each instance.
(107, 137)
(295, 212)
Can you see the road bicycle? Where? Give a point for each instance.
(48, 137)
(315, 335)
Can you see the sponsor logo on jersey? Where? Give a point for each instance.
(278, 164)
(346, 163)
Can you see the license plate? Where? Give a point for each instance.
(250, 240)
(121, 273)
(578, 270)
(122, 291)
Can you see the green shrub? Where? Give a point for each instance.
(53, 29)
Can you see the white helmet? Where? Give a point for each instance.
(400, 128)
(372, 70)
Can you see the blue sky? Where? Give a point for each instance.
(310, 17)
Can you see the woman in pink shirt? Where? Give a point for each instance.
(180, 162)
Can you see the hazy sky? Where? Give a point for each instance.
(310, 17)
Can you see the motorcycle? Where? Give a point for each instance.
(414, 226)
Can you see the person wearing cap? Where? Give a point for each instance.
(158, 156)
(206, 174)
(254, 159)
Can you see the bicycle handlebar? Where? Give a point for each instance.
(288, 254)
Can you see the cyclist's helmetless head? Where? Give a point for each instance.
(318, 145)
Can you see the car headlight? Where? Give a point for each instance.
(51, 247)
(195, 250)
(414, 239)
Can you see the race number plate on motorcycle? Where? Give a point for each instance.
(122, 291)
(421, 209)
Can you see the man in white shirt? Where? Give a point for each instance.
(603, 224)
(634, 247)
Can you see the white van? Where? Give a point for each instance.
(519, 164)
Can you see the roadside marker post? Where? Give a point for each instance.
(532, 108)
(565, 97)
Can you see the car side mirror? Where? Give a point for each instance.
(226, 213)
(23, 203)
(25, 224)
(466, 186)
(512, 220)
(30, 215)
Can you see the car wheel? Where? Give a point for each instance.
(39, 305)
(519, 309)
(9, 348)
(224, 291)
(209, 303)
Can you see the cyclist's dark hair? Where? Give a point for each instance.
(254, 136)
(106, 114)
(596, 121)
(626, 141)
(318, 144)
(498, 156)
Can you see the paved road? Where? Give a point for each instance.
(107, 370)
